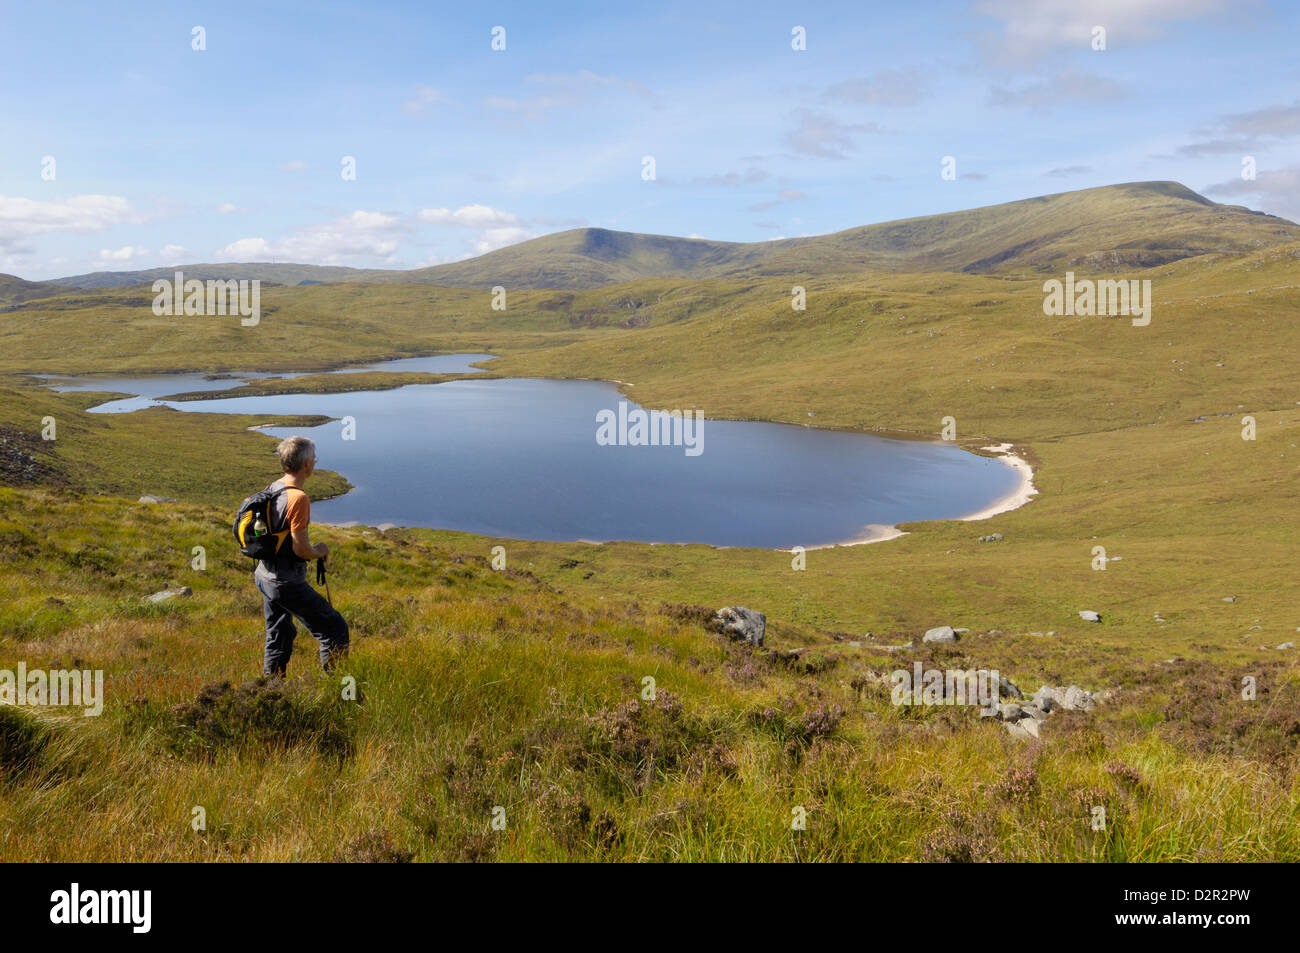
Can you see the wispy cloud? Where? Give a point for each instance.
(425, 98)
(562, 91)
(1066, 171)
(1065, 88)
(751, 176)
(783, 196)
(1031, 30)
(1277, 190)
(1239, 133)
(822, 135)
(884, 87)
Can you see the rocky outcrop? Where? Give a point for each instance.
(1024, 720)
(740, 623)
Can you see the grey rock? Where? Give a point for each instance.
(150, 498)
(991, 538)
(1033, 712)
(1071, 698)
(1020, 729)
(1076, 699)
(1229, 598)
(167, 595)
(1087, 615)
(1047, 698)
(1008, 711)
(1286, 645)
(1007, 688)
(741, 623)
(943, 633)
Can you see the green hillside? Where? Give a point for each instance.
(1137, 225)
(15, 290)
(268, 272)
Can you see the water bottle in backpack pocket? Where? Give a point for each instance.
(253, 525)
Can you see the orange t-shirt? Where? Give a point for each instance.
(297, 511)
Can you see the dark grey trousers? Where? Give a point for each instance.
(282, 602)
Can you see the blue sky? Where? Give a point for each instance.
(163, 154)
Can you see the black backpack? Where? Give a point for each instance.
(268, 544)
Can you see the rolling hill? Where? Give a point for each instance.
(1136, 225)
(14, 290)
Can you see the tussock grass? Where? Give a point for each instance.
(480, 690)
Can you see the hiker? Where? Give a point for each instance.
(282, 579)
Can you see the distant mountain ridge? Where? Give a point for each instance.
(1134, 225)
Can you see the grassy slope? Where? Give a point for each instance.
(1103, 408)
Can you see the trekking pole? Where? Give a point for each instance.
(322, 581)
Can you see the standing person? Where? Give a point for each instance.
(282, 580)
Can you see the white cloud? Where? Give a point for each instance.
(469, 216)
(361, 235)
(373, 220)
(1031, 29)
(247, 249)
(494, 238)
(172, 253)
(230, 208)
(293, 165)
(125, 253)
(21, 218)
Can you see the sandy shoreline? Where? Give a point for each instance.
(1013, 500)
(880, 533)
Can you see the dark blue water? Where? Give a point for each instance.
(147, 390)
(519, 459)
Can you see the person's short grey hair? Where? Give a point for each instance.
(294, 453)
